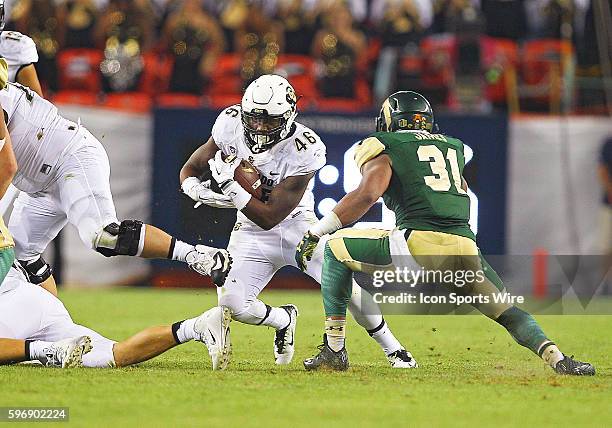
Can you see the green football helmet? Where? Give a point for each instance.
(405, 110)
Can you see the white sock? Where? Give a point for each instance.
(386, 339)
(180, 251)
(336, 333)
(38, 350)
(277, 318)
(551, 354)
(184, 332)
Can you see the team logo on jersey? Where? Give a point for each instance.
(232, 150)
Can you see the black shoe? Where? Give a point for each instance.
(221, 267)
(569, 366)
(328, 359)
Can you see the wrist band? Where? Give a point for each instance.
(328, 224)
(239, 196)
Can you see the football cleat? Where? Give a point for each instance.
(67, 353)
(212, 328)
(214, 262)
(569, 366)
(402, 359)
(328, 359)
(284, 340)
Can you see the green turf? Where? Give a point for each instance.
(471, 373)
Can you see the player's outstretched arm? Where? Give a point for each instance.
(376, 175)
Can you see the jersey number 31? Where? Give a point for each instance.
(440, 180)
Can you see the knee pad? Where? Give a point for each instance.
(120, 239)
(37, 271)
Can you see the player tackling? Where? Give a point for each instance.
(419, 174)
(287, 154)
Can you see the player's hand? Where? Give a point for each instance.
(305, 250)
(201, 193)
(223, 170)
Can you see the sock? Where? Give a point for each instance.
(183, 330)
(523, 328)
(383, 336)
(276, 318)
(37, 350)
(335, 330)
(550, 353)
(180, 250)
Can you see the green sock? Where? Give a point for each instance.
(336, 284)
(523, 328)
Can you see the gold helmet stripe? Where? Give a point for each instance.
(386, 107)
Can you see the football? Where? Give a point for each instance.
(248, 177)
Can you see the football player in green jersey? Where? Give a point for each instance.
(419, 175)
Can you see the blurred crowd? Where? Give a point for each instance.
(347, 39)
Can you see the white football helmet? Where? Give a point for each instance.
(268, 111)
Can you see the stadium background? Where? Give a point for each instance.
(521, 82)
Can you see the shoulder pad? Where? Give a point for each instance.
(367, 150)
(226, 123)
(306, 151)
(17, 48)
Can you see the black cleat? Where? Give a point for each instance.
(328, 359)
(569, 366)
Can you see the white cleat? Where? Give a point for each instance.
(402, 359)
(67, 353)
(213, 329)
(284, 340)
(212, 262)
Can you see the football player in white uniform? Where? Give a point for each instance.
(63, 173)
(35, 326)
(287, 154)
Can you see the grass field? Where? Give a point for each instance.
(471, 373)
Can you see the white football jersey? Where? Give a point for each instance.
(19, 51)
(302, 152)
(32, 121)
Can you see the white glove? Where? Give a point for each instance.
(223, 173)
(223, 170)
(202, 194)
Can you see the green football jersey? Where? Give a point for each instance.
(425, 190)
